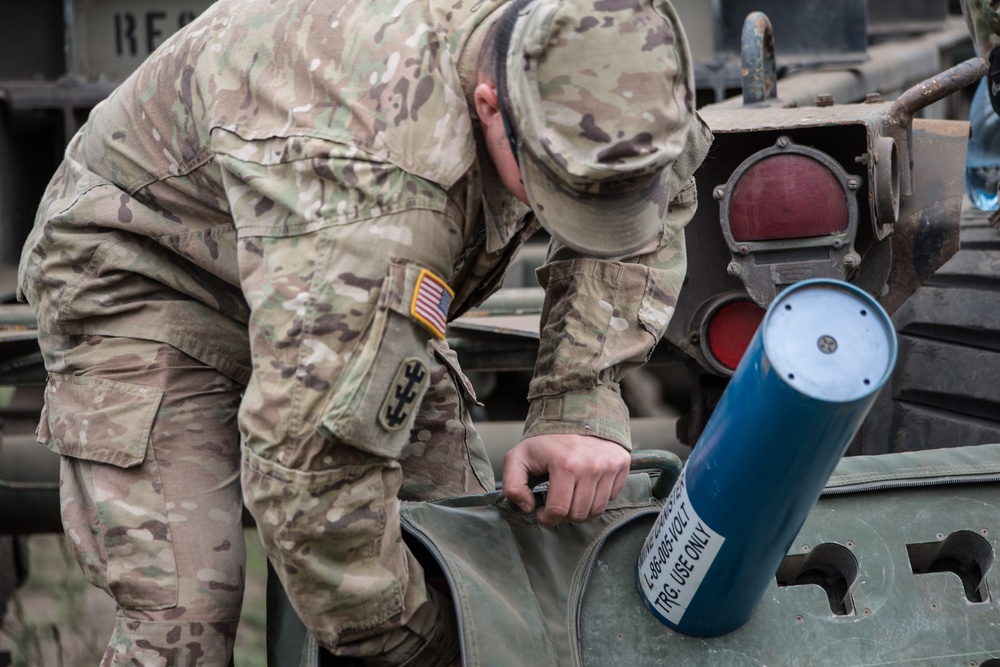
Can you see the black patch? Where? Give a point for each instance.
(406, 388)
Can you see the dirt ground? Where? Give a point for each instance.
(57, 619)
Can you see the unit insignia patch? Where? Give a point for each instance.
(411, 378)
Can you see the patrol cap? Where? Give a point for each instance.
(601, 102)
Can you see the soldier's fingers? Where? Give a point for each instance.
(558, 500)
(586, 495)
(515, 481)
(620, 479)
(602, 494)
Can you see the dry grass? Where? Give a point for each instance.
(57, 619)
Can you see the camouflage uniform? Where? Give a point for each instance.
(228, 270)
(984, 24)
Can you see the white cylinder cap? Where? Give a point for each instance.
(829, 340)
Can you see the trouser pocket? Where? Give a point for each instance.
(111, 498)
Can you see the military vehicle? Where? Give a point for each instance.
(858, 137)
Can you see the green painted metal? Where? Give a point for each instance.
(867, 542)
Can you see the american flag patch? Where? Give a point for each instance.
(431, 299)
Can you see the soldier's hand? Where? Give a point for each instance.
(584, 474)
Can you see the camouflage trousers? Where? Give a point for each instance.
(150, 491)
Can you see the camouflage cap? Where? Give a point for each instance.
(601, 94)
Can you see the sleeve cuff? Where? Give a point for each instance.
(441, 638)
(598, 412)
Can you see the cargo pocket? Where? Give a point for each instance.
(379, 393)
(111, 496)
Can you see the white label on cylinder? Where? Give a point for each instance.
(677, 553)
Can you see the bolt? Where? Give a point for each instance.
(744, 249)
(940, 536)
(827, 344)
(733, 269)
(798, 618)
(849, 544)
(719, 193)
(782, 142)
(983, 531)
(694, 337)
(934, 606)
(853, 184)
(850, 262)
(873, 98)
(838, 243)
(805, 548)
(824, 100)
(866, 611)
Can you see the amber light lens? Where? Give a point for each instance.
(731, 330)
(787, 196)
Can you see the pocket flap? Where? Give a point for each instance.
(98, 419)
(449, 358)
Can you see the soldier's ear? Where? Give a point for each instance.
(487, 104)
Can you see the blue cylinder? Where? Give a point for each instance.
(811, 373)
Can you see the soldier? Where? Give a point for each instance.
(243, 270)
(983, 20)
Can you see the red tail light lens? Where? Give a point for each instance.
(787, 196)
(731, 330)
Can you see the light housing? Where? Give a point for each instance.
(789, 213)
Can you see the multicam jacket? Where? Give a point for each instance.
(290, 176)
(983, 20)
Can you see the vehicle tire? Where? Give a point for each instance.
(945, 390)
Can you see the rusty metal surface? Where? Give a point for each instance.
(807, 32)
(760, 78)
(891, 68)
(936, 88)
(927, 234)
(724, 119)
(920, 96)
